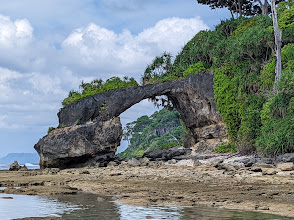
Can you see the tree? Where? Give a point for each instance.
(240, 7)
(278, 44)
(264, 6)
(160, 66)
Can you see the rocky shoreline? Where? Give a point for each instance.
(226, 181)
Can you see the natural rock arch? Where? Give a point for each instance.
(90, 129)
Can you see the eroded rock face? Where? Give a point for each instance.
(14, 166)
(80, 144)
(90, 130)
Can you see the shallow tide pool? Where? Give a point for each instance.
(88, 206)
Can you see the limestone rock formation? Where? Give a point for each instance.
(79, 144)
(90, 130)
(14, 166)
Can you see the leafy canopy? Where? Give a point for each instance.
(97, 86)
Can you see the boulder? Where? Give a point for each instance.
(133, 162)
(14, 166)
(248, 162)
(168, 154)
(289, 157)
(269, 171)
(80, 145)
(23, 168)
(285, 166)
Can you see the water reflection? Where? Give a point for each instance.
(104, 209)
(107, 209)
(20, 206)
(93, 207)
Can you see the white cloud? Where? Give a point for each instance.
(94, 47)
(35, 76)
(14, 34)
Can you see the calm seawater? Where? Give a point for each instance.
(86, 206)
(29, 166)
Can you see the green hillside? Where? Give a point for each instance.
(240, 52)
(161, 130)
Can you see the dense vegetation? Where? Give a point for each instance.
(161, 130)
(98, 86)
(240, 52)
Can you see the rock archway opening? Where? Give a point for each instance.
(144, 108)
(91, 128)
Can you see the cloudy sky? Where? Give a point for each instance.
(47, 47)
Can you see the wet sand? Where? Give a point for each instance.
(159, 184)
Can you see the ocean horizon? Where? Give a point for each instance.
(28, 165)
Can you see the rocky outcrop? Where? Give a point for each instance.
(79, 145)
(14, 166)
(90, 128)
(168, 154)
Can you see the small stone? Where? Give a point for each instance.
(100, 199)
(145, 161)
(188, 162)
(269, 171)
(286, 166)
(24, 168)
(226, 167)
(263, 208)
(133, 162)
(172, 161)
(112, 164)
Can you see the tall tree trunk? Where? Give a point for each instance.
(240, 8)
(264, 7)
(278, 43)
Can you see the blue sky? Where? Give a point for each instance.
(47, 47)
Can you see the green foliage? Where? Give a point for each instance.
(225, 90)
(250, 122)
(161, 130)
(50, 129)
(277, 137)
(168, 145)
(286, 19)
(194, 69)
(244, 26)
(240, 52)
(226, 148)
(277, 115)
(288, 56)
(158, 69)
(98, 86)
(267, 75)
